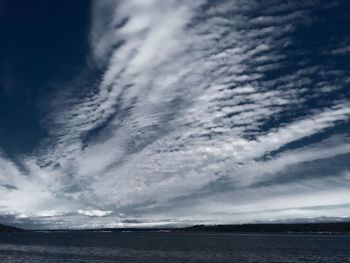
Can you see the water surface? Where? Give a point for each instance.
(172, 247)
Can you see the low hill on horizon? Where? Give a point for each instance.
(336, 227)
(5, 228)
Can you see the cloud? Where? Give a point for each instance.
(9, 187)
(95, 213)
(201, 114)
(344, 50)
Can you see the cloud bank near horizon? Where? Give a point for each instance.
(202, 112)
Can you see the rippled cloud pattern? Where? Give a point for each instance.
(199, 112)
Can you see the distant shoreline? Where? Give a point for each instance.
(297, 228)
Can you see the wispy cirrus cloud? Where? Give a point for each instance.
(197, 105)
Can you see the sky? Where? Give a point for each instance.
(145, 113)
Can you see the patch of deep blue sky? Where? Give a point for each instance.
(45, 45)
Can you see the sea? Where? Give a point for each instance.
(155, 247)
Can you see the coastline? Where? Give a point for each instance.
(270, 228)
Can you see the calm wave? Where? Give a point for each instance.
(172, 247)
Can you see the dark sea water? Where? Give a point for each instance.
(172, 247)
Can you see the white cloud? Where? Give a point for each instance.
(184, 103)
(95, 213)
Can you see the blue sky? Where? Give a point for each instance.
(150, 112)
